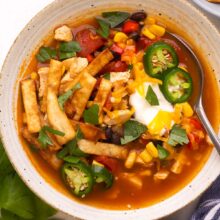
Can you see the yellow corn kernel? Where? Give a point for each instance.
(145, 156)
(34, 75)
(139, 66)
(134, 59)
(121, 45)
(130, 159)
(150, 20)
(187, 109)
(94, 162)
(120, 37)
(140, 55)
(152, 150)
(145, 173)
(145, 31)
(130, 42)
(157, 30)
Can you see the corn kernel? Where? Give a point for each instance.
(134, 59)
(152, 150)
(187, 110)
(130, 159)
(120, 37)
(150, 20)
(140, 55)
(139, 66)
(145, 156)
(94, 162)
(145, 31)
(130, 42)
(121, 45)
(34, 75)
(157, 30)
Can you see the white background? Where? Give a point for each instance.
(14, 15)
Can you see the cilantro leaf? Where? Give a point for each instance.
(178, 135)
(64, 97)
(45, 54)
(71, 148)
(68, 49)
(5, 165)
(43, 137)
(132, 131)
(151, 97)
(162, 152)
(107, 76)
(104, 29)
(91, 115)
(115, 18)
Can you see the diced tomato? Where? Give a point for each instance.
(130, 26)
(89, 42)
(144, 42)
(115, 48)
(108, 162)
(90, 58)
(196, 123)
(115, 66)
(194, 141)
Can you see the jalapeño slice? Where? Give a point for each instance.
(177, 86)
(158, 58)
(78, 177)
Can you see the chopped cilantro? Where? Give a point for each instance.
(132, 131)
(104, 28)
(162, 152)
(64, 97)
(177, 136)
(91, 115)
(45, 54)
(68, 49)
(151, 97)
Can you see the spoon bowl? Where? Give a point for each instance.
(198, 106)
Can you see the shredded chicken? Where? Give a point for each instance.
(63, 33)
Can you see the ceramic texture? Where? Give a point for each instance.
(193, 24)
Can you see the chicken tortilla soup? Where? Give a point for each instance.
(106, 111)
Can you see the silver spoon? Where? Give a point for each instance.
(198, 107)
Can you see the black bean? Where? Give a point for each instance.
(108, 134)
(134, 35)
(116, 56)
(116, 138)
(139, 16)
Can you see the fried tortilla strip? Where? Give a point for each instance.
(102, 94)
(30, 105)
(93, 68)
(47, 155)
(43, 73)
(89, 131)
(81, 96)
(99, 148)
(56, 117)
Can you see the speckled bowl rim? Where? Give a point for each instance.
(83, 211)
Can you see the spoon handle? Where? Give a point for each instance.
(206, 124)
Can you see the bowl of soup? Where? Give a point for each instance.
(97, 105)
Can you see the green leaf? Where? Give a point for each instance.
(132, 131)
(91, 115)
(177, 136)
(43, 137)
(68, 49)
(15, 197)
(115, 18)
(45, 54)
(71, 148)
(151, 97)
(5, 165)
(162, 152)
(104, 29)
(64, 97)
(107, 76)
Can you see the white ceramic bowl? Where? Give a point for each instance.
(193, 25)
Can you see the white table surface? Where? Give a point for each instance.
(14, 14)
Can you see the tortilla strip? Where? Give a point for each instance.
(93, 68)
(102, 94)
(47, 155)
(56, 117)
(89, 131)
(30, 105)
(99, 148)
(81, 96)
(43, 73)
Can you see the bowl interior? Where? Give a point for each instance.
(192, 25)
